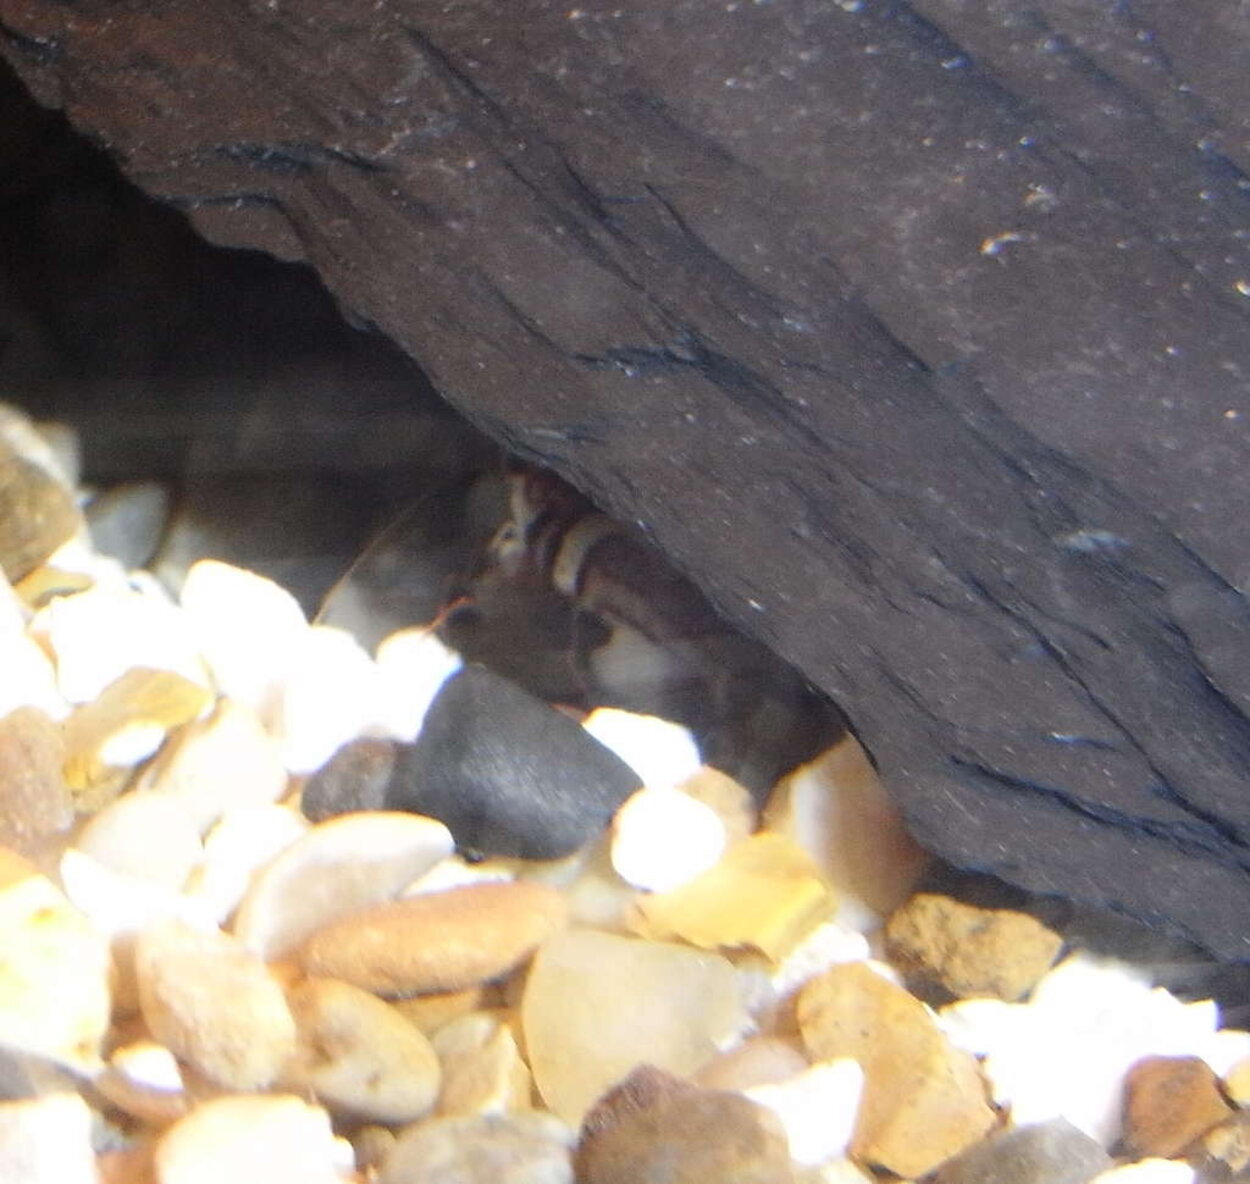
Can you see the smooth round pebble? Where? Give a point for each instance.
(492, 1149)
(149, 835)
(276, 1139)
(359, 1056)
(661, 752)
(337, 868)
(441, 941)
(661, 838)
(213, 1005)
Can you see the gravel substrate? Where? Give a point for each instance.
(234, 950)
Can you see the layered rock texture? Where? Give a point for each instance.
(914, 332)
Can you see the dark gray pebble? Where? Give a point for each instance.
(354, 778)
(508, 774)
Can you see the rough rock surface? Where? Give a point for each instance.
(919, 324)
(1169, 1102)
(1052, 1152)
(970, 951)
(924, 1101)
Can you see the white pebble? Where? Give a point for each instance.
(662, 838)
(248, 626)
(1094, 1013)
(117, 902)
(339, 866)
(412, 666)
(148, 835)
(661, 752)
(97, 635)
(148, 1064)
(222, 763)
(29, 677)
(242, 842)
(47, 1141)
(1148, 1171)
(278, 1139)
(818, 1108)
(325, 696)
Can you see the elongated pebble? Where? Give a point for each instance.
(222, 763)
(440, 941)
(661, 752)
(47, 1141)
(337, 868)
(278, 1139)
(248, 627)
(213, 1005)
(358, 1056)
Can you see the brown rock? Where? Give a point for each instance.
(924, 1100)
(970, 951)
(431, 1012)
(34, 800)
(359, 1056)
(37, 515)
(1169, 1102)
(653, 1129)
(442, 941)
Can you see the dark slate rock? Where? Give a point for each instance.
(508, 774)
(1053, 1152)
(354, 778)
(916, 335)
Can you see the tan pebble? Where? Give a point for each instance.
(135, 1164)
(222, 763)
(586, 1023)
(252, 1140)
(1169, 1102)
(837, 810)
(1237, 1083)
(46, 1141)
(969, 951)
(34, 801)
(765, 893)
(127, 723)
(732, 802)
(431, 1012)
(37, 514)
(147, 835)
(335, 869)
(924, 1100)
(483, 1072)
(761, 1060)
(358, 1056)
(528, 1148)
(54, 971)
(372, 1144)
(213, 1005)
(1226, 1148)
(443, 941)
